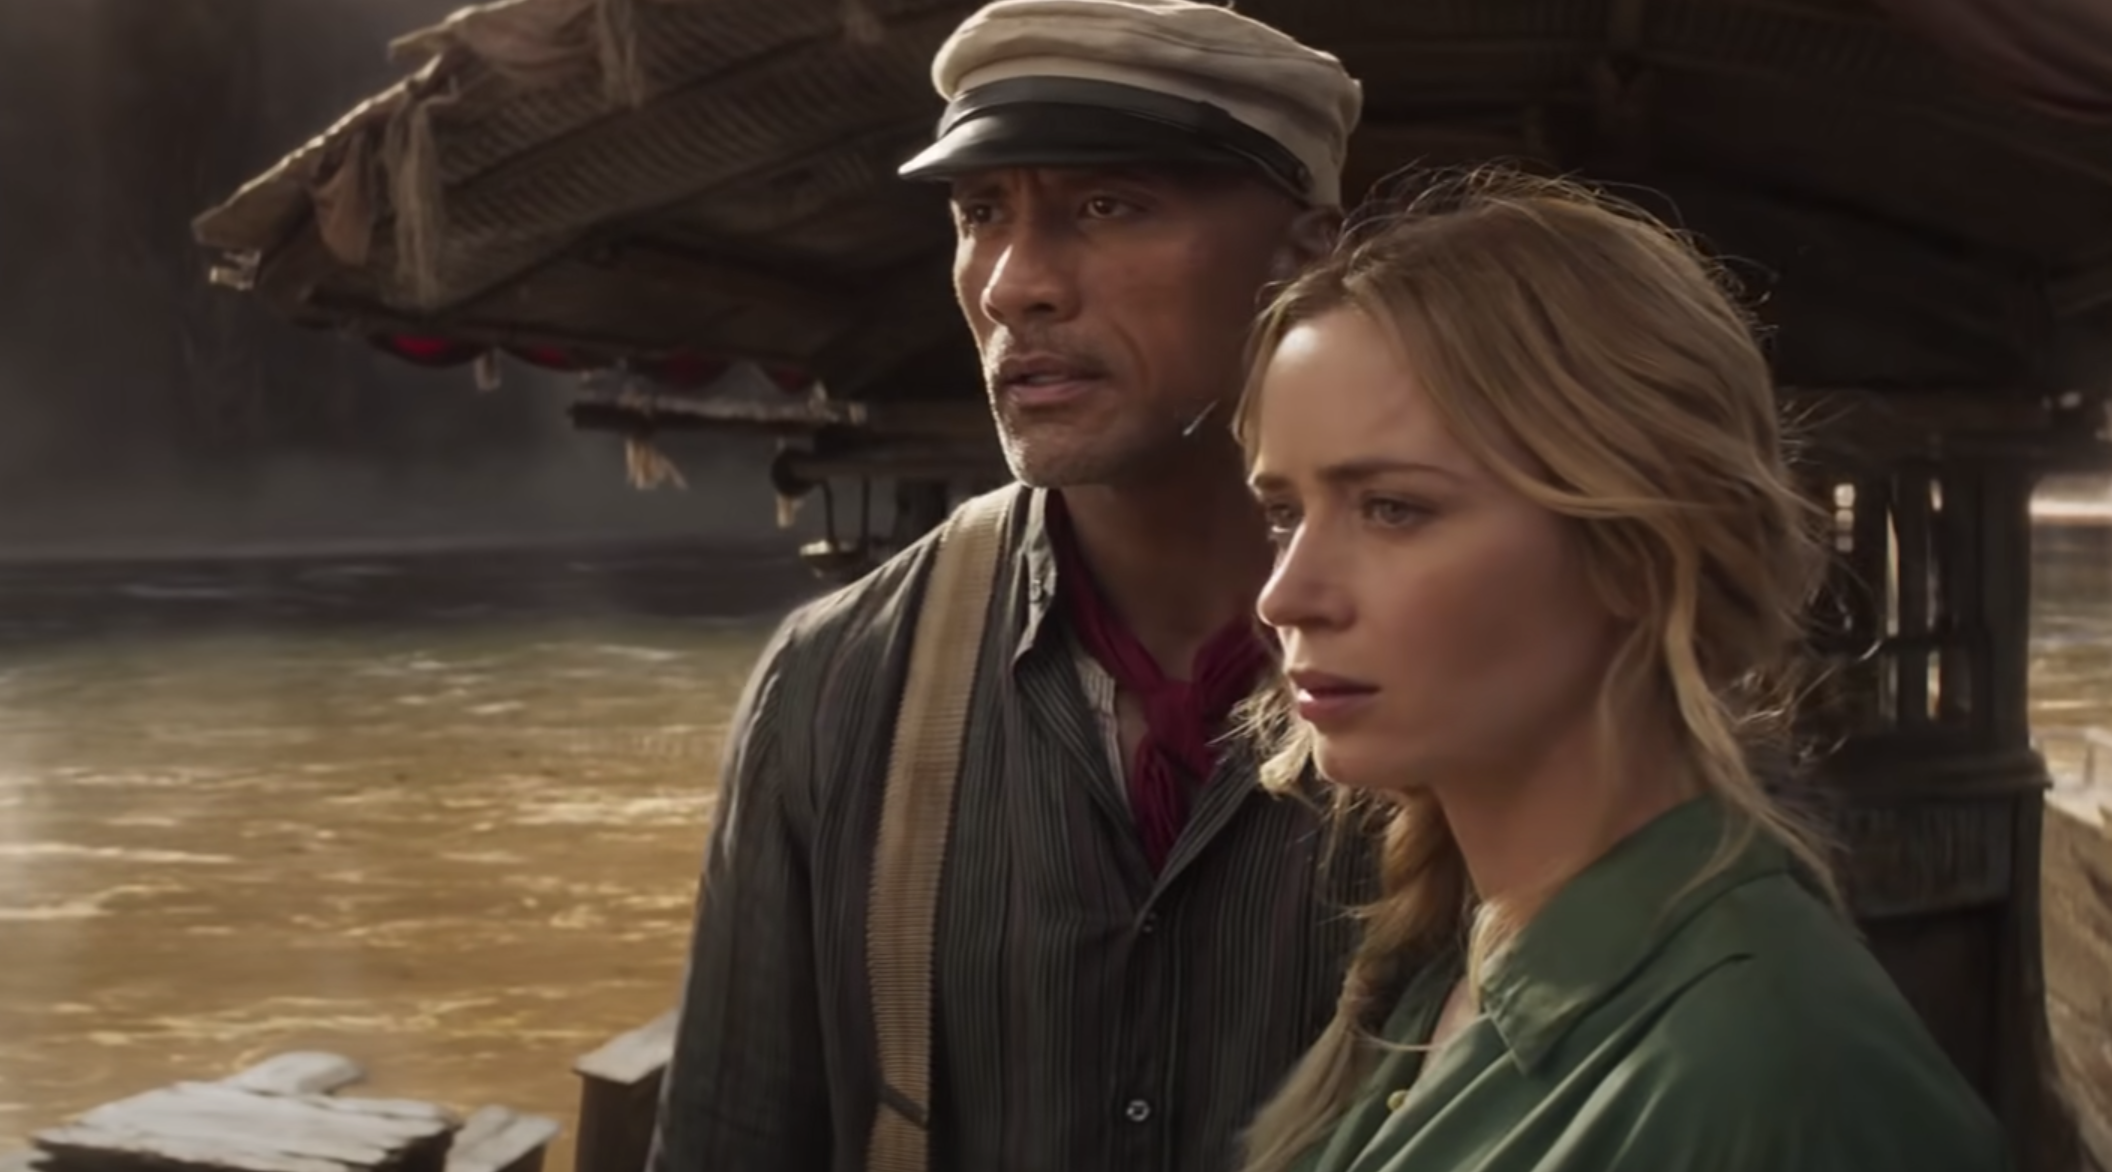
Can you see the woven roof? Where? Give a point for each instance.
(719, 174)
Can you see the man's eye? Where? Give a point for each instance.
(971, 214)
(1282, 521)
(1102, 207)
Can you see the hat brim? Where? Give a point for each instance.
(1053, 135)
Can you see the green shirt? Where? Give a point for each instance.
(1639, 1025)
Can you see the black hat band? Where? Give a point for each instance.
(1201, 119)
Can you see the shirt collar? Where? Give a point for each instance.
(1037, 571)
(1605, 924)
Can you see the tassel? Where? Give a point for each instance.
(419, 198)
(616, 43)
(647, 467)
(487, 371)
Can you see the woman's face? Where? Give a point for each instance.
(1438, 626)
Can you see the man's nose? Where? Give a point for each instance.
(1305, 591)
(1033, 278)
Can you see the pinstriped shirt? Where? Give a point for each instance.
(1088, 1014)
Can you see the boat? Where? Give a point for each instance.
(692, 204)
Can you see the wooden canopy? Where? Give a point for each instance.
(1920, 190)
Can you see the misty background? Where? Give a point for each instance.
(143, 410)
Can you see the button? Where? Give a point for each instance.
(1396, 1100)
(1137, 1112)
(1150, 924)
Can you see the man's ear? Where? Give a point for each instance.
(1309, 236)
(1313, 233)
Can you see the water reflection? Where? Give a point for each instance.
(2071, 659)
(442, 814)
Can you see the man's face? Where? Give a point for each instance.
(1111, 307)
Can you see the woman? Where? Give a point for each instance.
(1541, 573)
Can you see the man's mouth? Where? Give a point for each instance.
(1036, 380)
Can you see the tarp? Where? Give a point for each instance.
(383, 160)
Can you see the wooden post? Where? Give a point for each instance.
(2026, 1101)
(619, 1097)
(1940, 805)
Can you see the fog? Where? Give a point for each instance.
(142, 410)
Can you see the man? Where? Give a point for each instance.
(1134, 944)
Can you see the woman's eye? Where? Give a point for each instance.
(1393, 513)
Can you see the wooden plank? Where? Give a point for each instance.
(619, 1097)
(1963, 665)
(1914, 612)
(630, 1058)
(1914, 856)
(230, 1129)
(499, 1139)
(299, 1072)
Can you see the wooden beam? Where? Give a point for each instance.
(1934, 410)
(2077, 293)
(298, 1072)
(964, 420)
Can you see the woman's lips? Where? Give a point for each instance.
(1325, 699)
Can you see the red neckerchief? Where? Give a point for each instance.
(1181, 717)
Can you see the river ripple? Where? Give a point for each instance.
(442, 814)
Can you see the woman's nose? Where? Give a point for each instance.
(1302, 593)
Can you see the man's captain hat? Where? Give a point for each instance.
(1055, 83)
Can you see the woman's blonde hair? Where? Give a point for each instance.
(1553, 320)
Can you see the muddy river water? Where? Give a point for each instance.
(440, 813)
